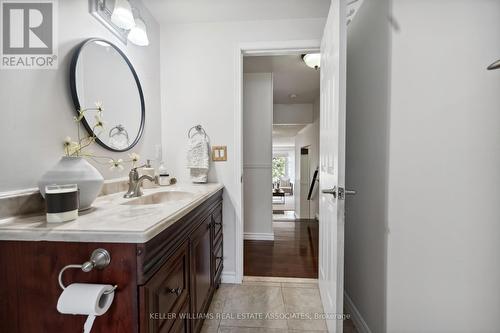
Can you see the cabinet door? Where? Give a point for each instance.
(165, 294)
(217, 223)
(217, 262)
(182, 324)
(201, 283)
(217, 249)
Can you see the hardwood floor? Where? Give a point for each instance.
(293, 253)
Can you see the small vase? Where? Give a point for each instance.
(75, 170)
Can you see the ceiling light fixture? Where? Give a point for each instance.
(312, 60)
(122, 15)
(138, 34)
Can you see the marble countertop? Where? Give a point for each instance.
(109, 221)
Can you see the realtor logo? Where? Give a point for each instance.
(28, 34)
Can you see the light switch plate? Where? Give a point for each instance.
(219, 153)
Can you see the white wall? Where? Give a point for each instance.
(308, 136)
(443, 244)
(257, 155)
(37, 111)
(368, 48)
(293, 114)
(198, 86)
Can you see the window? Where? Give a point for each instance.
(279, 168)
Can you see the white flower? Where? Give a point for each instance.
(116, 164)
(134, 157)
(81, 114)
(99, 123)
(70, 147)
(98, 106)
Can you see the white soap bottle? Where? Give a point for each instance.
(163, 176)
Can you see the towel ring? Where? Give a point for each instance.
(118, 129)
(99, 259)
(199, 130)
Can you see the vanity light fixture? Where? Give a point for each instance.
(122, 15)
(312, 60)
(121, 19)
(138, 34)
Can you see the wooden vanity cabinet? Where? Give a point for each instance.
(163, 285)
(180, 271)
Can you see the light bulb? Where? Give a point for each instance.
(122, 15)
(138, 34)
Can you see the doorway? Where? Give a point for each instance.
(281, 104)
(332, 154)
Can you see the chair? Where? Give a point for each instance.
(286, 185)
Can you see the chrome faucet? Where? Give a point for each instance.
(135, 183)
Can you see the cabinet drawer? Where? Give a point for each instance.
(165, 293)
(217, 222)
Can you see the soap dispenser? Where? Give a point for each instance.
(163, 176)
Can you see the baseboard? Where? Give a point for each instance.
(358, 320)
(258, 236)
(228, 277)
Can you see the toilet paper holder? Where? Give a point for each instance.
(100, 258)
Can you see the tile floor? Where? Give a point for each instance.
(268, 305)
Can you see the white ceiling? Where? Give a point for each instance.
(188, 11)
(284, 135)
(291, 76)
(284, 131)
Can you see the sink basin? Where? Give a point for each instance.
(160, 197)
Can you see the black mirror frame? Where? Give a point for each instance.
(76, 102)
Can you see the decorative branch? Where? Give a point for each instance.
(78, 148)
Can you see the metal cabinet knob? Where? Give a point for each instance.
(176, 291)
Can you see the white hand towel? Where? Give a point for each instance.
(198, 158)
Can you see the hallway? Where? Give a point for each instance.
(293, 253)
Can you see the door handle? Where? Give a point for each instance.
(332, 191)
(343, 192)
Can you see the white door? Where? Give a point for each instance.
(332, 164)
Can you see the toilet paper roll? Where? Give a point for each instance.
(85, 299)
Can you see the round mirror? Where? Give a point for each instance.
(101, 73)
